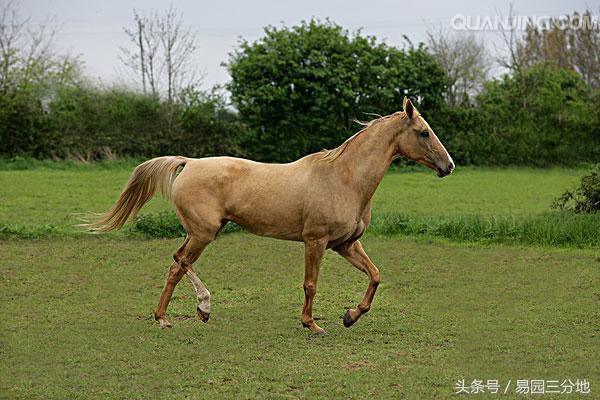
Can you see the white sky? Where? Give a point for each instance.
(94, 29)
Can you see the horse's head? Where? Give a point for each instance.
(417, 142)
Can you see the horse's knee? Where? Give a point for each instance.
(374, 275)
(310, 288)
(375, 279)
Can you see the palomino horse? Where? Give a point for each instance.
(323, 200)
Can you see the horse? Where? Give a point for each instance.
(322, 200)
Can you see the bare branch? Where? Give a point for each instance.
(465, 60)
(163, 55)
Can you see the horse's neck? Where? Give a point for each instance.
(367, 159)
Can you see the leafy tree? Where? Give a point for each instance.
(300, 88)
(570, 42)
(544, 116)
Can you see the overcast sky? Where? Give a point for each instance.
(94, 29)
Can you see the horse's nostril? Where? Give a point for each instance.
(450, 167)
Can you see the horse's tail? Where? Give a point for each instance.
(148, 177)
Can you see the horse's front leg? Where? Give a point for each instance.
(313, 253)
(355, 254)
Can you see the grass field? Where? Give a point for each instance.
(77, 320)
(78, 309)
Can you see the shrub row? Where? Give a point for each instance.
(87, 122)
(551, 229)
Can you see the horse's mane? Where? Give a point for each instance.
(331, 155)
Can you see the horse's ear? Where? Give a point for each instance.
(409, 109)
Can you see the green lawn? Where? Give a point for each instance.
(77, 320)
(481, 191)
(54, 197)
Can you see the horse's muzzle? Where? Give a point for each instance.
(442, 172)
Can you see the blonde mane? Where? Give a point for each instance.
(331, 155)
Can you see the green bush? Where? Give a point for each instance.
(86, 122)
(543, 116)
(585, 198)
(300, 88)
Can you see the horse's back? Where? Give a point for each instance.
(264, 198)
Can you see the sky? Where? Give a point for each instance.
(94, 29)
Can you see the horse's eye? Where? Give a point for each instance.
(424, 134)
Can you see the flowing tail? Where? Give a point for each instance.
(148, 177)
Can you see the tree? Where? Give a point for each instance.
(570, 42)
(31, 73)
(27, 56)
(585, 47)
(511, 58)
(557, 125)
(465, 61)
(300, 88)
(163, 53)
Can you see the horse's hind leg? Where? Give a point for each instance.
(355, 254)
(187, 254)
(202, 294)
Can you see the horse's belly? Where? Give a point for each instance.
(272, 216)
(268, 225)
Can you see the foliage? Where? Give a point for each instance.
(19, 163)
(31, 71)
(88, 122)
(585, 198)
(543, 116)
(300, 88)
(162, 225)
(570, 42)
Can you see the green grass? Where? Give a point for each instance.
(547, 229)
(47, 199)
(77, 320)
(57, 198)
(474, 191)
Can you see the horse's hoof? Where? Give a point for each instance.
(203, 315)
(348, 321)
(164, 323)
(315, 329)
(320, 332)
